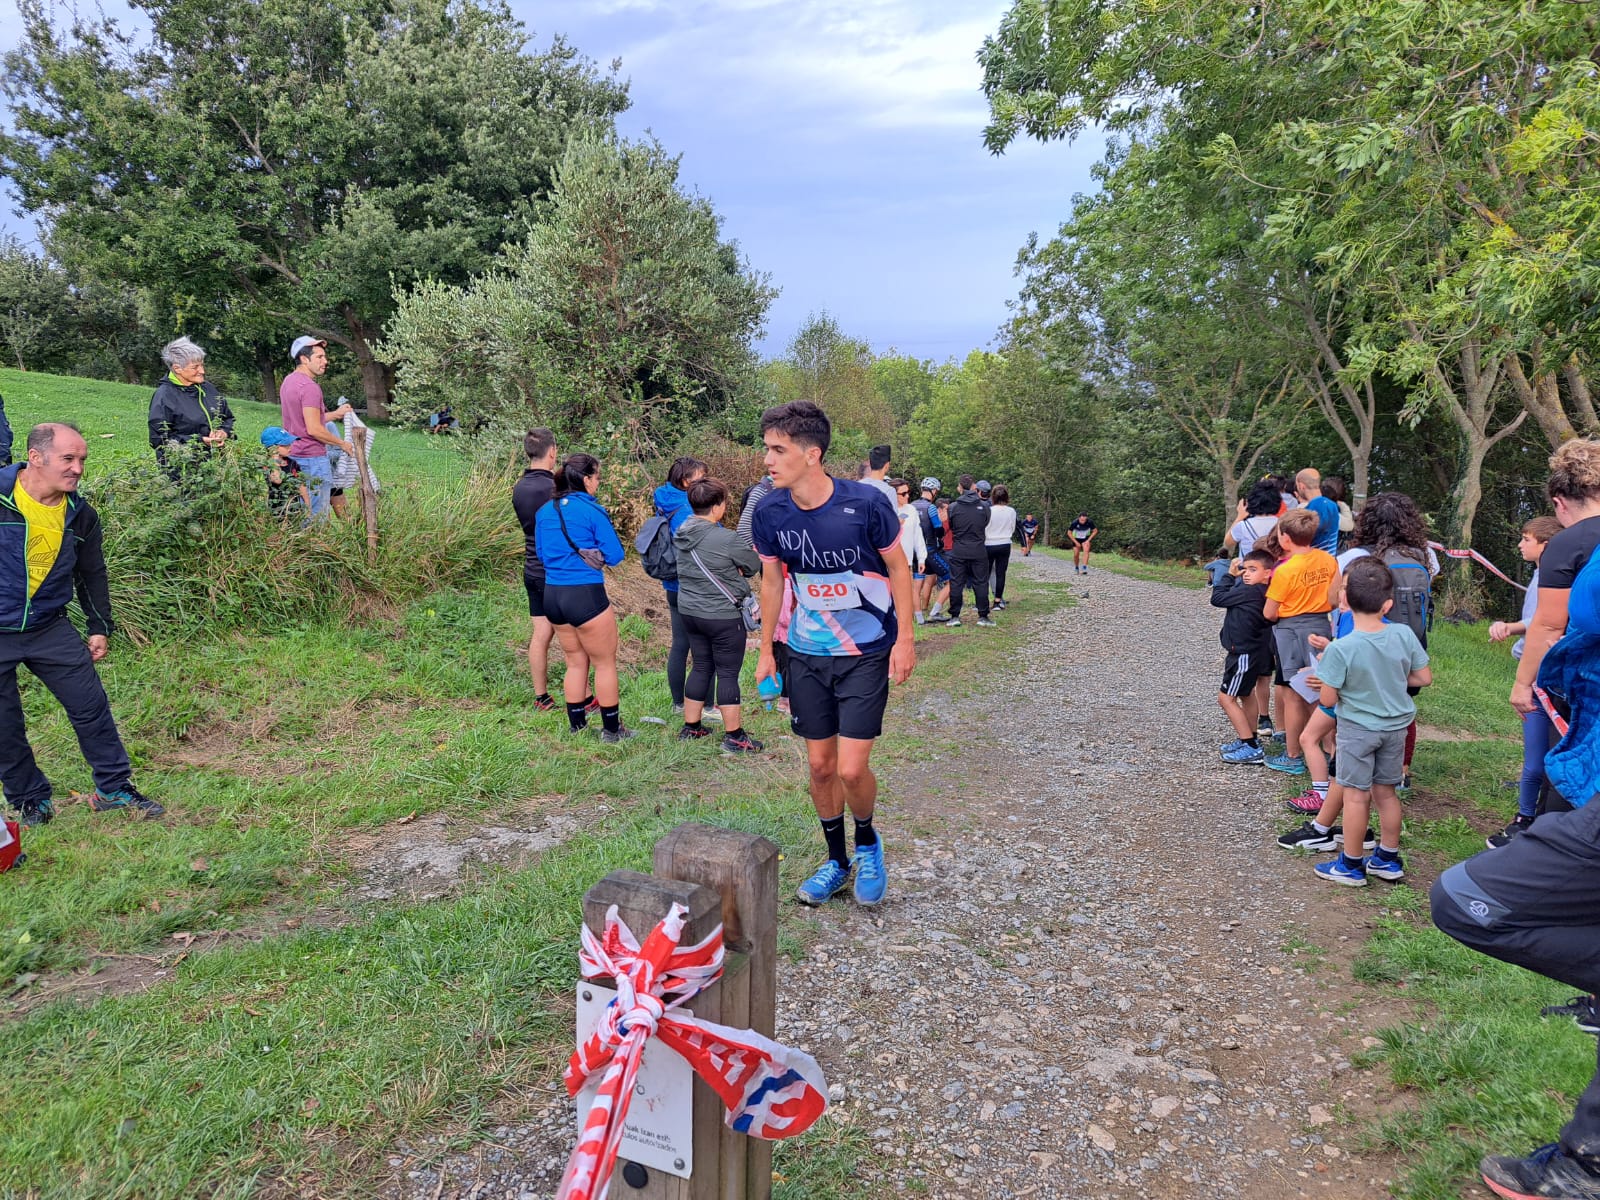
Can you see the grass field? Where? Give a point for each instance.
(326, 1026)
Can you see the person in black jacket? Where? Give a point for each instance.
(969, 558)
(51, 543)
(531, 493)
(185, 408)
(1247, 637)
(5, 435)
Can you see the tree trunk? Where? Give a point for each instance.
(1541, 397)
(1230, 495)
(130, 372)
(266, 367)
(377, 378)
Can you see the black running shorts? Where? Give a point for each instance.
(535, 595)
(574, 603)
(838, 697)
(1240, 672)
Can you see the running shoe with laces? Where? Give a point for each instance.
(1308, 801)
(826, 882)
(692, 733)
(985, 623)
(1385, 866)
(39, 812)
(1233, 745)
(129, 799)
(1369, 841)
(545, 703)
(591, 705)
(1307, 838)
(1243, 754)
(1286, 764)
(1341, 871)
(741, 743)
(1549, 1173)
(871, 879)
(950, 622)
(1519, 826)
(1584, 1011)
(712, 713)
(1264, 728)
(620, 734)
(999, 606)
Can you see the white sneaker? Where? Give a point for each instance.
(712, 714)
(918, 617)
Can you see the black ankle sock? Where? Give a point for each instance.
(833, 834)
(694, 725)
(1252, 741)
(866, 835)
(575, 716)
(733, 733)
(611, 718)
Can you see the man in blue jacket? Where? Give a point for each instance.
(50, 543)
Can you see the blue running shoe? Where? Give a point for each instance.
(1233, 745)
(1386, 867)
(129, 800)
(871, 882)
(1340, 870)
(825, 883)
(1242, 754)
(1282, 762)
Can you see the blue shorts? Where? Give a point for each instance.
(937, 566)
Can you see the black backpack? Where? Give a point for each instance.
(656, 551)
(1413, 591)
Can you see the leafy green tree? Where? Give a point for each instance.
(621, 313)
(825, 365)
(267, 168)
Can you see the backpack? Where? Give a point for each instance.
(656, 553)
(1413, 591)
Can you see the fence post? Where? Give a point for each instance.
(369, 498)
(743, 869)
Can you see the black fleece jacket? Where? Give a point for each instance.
(1245, 630)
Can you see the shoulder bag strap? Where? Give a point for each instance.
(576, 549)
(715, 582)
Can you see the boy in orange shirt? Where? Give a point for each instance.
(1297, 600)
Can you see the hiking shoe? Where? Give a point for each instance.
(1233, 745)
(1369, 843)
(826, 881)
(1264, 728)
(591, 705)
(999, 606)
(1306, 837)
(620, 734)
(129, 799)
(40, 812)
(690, 733)
(948, 622)
(1404, 788)
(1289, 766)
(545, 703)
(871, 881)
(1519, 826)
(1549, 1173)
(985, 623)
(1584, 1010)
(712, 713)
(1385, 866)
(1308, 801)
(1243, 754)
(740, 743)
(1342, 871)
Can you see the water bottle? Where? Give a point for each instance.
(770, 689)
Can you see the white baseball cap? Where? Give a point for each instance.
(302, 344)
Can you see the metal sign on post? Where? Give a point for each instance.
(660, 1129)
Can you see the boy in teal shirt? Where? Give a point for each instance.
(1366, 674)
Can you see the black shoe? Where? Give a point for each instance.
(40, 812)
(129, 800)
(545, 703)
(620, 734)
(1549, 1173)
(1519, 826)
(1584, 1011)
(1307, 838)
(690, 733)
(740, 743)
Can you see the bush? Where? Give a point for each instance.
(203, 552)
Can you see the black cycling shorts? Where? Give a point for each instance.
(574, 604)
(535, 595)
(937, 565)
(841, 696)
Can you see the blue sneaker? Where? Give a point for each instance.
(871, 882)
(1282, 762)
(1233, 745)
(1385, 866)
(129, 800)
(1242, 754)
(1341, 871)
(825, 883)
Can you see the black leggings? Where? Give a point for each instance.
(718, 648)
(678, 655)
(999, 560)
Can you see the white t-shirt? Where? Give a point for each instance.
(1250, 531)
(911, 539)
(1002, 524)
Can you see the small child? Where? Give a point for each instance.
(1247, 637)
(285, 493)
(1365, 675)
(1297, 601)
(1536, 727)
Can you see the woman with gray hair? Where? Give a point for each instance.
(185, 408)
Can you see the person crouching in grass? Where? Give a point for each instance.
(1247, 637)
(1297, 600)
(1365, 675)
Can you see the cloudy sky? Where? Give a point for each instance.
(841, 141)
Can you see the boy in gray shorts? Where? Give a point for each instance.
(1366, 673)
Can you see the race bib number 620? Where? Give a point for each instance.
(829, 593)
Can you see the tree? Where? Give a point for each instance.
(35, 302)
(267, 168)
(825, 365)
(621, 312)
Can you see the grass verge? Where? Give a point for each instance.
(1174, 573)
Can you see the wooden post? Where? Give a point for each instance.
(743, 870)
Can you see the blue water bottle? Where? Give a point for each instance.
(770, 689)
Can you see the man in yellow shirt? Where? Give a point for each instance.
(50, 545)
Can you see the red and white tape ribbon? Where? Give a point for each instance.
(1481, 561)
(770, 1091)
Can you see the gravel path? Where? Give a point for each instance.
(1078, 985)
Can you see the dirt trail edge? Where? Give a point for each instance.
(1081, 982)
